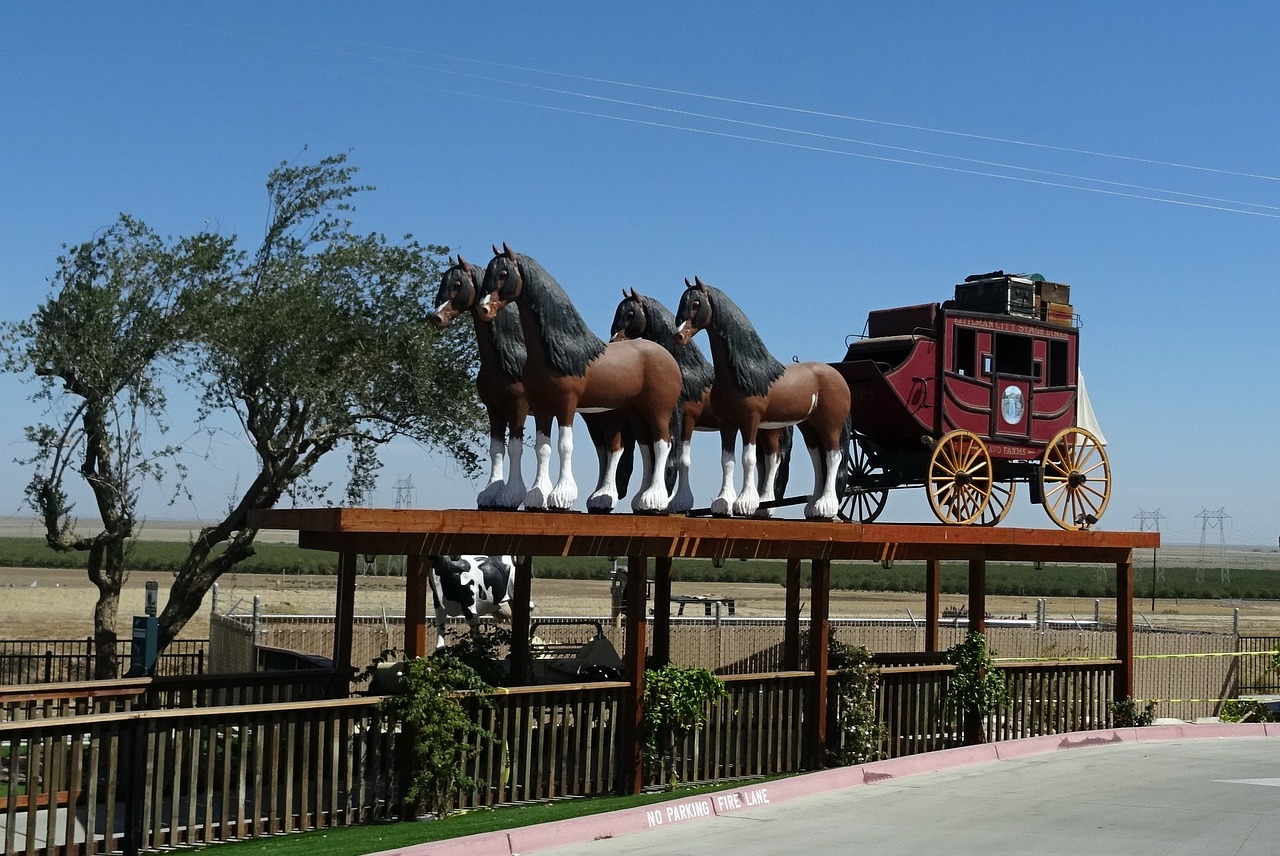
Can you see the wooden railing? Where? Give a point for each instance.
(909, 704)
(758, 730)
(1054, 697)
(129, 694)
(30, 661)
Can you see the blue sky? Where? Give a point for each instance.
(815, 161)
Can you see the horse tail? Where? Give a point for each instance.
(677, 440)
(785, 442)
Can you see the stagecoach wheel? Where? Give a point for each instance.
(998, 505)
(859, 504)
(959, 478)
(1075, 479)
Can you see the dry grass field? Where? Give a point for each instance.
(49, 604)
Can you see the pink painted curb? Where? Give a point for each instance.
(528, 839)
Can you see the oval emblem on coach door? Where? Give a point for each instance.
(1012, 405)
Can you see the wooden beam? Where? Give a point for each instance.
(932, 603)
(415, 607)
(819, 638)
(791, 622)
(633, 660)
(520, 620)
(1124, 629)
(977, 596)
(344, 618)
(661, 611)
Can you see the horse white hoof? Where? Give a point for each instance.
(653, 501)
(821, 509)
(746, 506)
(562, 498)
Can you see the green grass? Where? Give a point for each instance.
(356, 840)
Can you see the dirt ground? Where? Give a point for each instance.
(49, 604)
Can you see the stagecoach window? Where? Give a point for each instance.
(1059, 370)
(966, 352)
(1013, 355)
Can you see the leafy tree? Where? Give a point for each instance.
(97, 350)
(316, 341)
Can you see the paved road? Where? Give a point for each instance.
(1214, 796)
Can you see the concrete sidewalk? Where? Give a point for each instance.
(1163, 790)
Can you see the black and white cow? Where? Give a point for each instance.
(471, 586)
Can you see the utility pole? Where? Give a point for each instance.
(1153, 518)
(1214, 520)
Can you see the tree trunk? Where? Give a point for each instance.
(105, 661)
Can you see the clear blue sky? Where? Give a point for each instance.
(815, 161)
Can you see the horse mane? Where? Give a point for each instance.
(695, 370)
(508, 335)
(566, 339)
(754, 368)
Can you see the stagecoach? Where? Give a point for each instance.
(970, 397)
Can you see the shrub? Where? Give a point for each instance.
(1133, 713)
(676, 701)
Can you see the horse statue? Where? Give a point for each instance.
(752, 390)
(569, 369)
(639, 316)
(500, 346)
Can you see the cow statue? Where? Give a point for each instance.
(471, 586)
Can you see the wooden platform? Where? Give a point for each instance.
(420, 532)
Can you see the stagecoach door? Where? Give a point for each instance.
(1011, 409)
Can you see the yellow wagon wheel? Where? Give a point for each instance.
(1075, 479)
(998, 505)
(959, 478)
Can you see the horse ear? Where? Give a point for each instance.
(508, 252)
(496, 251)
(687, 284)
(634, 296)
(460, 262)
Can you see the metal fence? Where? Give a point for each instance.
(44, 661)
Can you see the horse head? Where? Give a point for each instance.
(503, 283)
(457, 293)
(695, 310)
(631, 319)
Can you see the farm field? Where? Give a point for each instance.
(49, 603)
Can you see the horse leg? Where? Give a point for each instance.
(771, 461)
(490, 496)
(682, 500)
(606, 435)
(513, 492)
(655, 450)
(565, 493)
(749, 499)
(539, 495)
(823, 502)
(722, 505)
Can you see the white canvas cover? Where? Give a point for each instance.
(1085, 417)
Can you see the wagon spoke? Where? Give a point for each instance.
(1075, 479)
(959, 478)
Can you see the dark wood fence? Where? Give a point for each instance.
(203, 766)
(33, 661)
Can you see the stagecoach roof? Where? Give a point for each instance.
(412, 532)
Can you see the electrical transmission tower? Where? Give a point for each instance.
(1214, 520)
(1151, 520)
(404, 492)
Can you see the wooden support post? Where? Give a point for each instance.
(1124, 628)
(415, 608)
(978, 595)
(661, 611)
(819, 636)
(523, 596)
(633, 660)
(974, 727)
(932, 603)
(344, 618)
(791, 623)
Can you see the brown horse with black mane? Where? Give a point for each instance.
(500, 346)
(640, 316)
(569, 369)
(752, 390)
